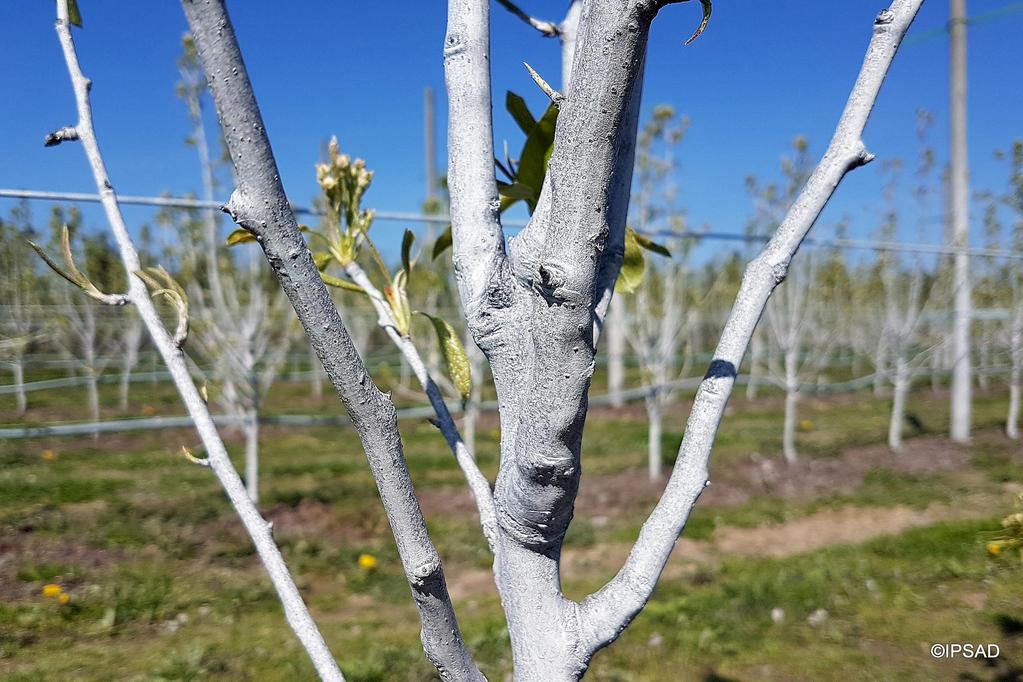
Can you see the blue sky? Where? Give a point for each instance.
(762, 74)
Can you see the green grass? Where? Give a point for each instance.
(164, 584)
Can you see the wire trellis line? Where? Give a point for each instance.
(399, 216)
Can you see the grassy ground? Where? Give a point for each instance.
(848, 565)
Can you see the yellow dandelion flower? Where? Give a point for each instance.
(64, 598)
(48, 455)
(367, 562)
(994, 548)
(51, 590)
(806, 425)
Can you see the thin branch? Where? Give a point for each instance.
(260, 205)
(67, 134)
(556, 97)
(607, 612)
(295, 609)
(546, 28)
(478, 484)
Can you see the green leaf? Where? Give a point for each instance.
(73, 13)
(535, 154)
(322, 260)
(406, 250)
(516, 106)
(633, 264)
(456, 360)
(515, 190)
(443, 242)
(341, 283)
(649, 245)
(240, 236)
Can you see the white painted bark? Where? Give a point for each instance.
(755, 365)
(20, 397)
(962, 371)
(655, 428)
(880, 363)
(569, 31)
(251, 432)
(471, 414)
(899, 391)
(131, 340)
(614, 326)
(260, 205)
(258, 529)
(791, 403)
(1015, 371)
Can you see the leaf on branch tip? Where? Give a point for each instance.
(341, 283)
(443, 242)
(406, 250)
(74, 15)
(240, 236)
(633, 264)
(651, 245)
(455, 358)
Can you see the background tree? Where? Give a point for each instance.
(657, 323)
(20, 295)
(241, 318)
(1013, 199)
(82, 331)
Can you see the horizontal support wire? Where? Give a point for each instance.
(426, 412)
(397, 216)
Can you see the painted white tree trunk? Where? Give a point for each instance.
(20, 397)
(1015, 374)
(614, 331)
(984, 359)
(472, 407)
(880, 365)
(251, 430)
(92, 393)
(755, 365)
(899, 393)
(791, 404)
(130, 357)
(655, 421)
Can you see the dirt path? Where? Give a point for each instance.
(827, 528)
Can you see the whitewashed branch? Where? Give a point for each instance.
(260, 205)
(606, 613)
(546, 28)
(258, 529)
(478, 240)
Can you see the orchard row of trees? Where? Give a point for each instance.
(844, 319)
